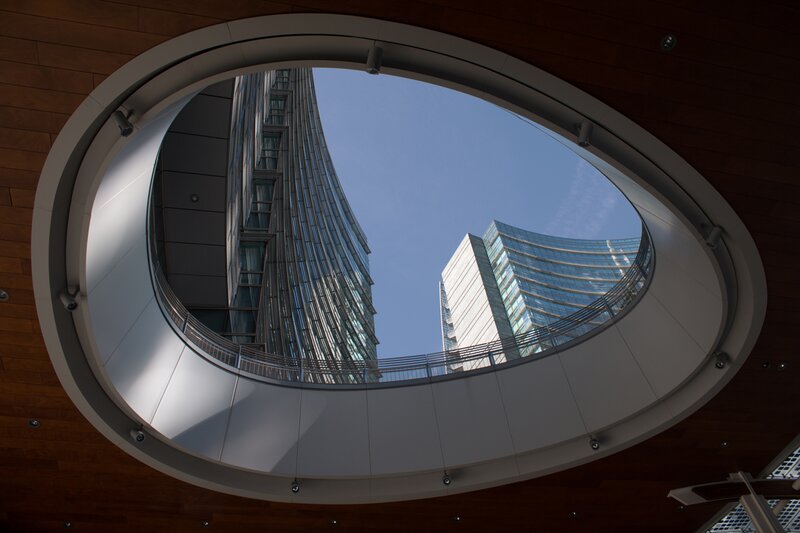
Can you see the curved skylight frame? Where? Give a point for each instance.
(160, 79)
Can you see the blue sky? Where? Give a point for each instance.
(422, 166)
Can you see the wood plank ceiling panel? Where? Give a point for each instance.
(724, 98)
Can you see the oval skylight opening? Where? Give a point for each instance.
(331, 220)
(614, 380)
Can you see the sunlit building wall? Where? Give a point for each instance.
(511, 281)
(471, 308)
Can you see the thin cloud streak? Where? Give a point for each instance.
(587, 206)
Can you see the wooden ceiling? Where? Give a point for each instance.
(725, 98)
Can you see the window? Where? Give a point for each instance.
(270, 151)
(281, 79)
(277, 110)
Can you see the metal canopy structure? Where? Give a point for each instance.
(722, 98)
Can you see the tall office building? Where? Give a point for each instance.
(511, 281)
(298, 275)
(296, 272)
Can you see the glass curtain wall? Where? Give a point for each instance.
(299, 270)
(539, 279)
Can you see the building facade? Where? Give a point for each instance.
(296, 260)
(299, 282)
(512, 281)
(633, 497)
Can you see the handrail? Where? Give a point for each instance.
(535, 343)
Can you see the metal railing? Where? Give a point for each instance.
(537, 342)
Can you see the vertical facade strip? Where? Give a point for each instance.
(299, 266)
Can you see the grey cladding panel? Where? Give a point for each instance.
(195, 154)
(223, 89)
(200, 290)
(198, 227)
(205, 115)
(200, 259)
(179, 188)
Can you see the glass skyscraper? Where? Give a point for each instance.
(298, 275)
(295, 289)
(511, 280)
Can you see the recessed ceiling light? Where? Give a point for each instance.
(3, 296)
(67, 524)
(782, 366)
(723, 444)
(194, 197)
(34, 423)
(206, 523)
(668, 42)
(573, 514)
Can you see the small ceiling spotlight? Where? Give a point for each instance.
(295, 487)
(124, 125)
(3, 296)
(34, 423)
(194, 197)
(68, 299)
(457, 518)
(713, 237)
(573, 514)
(584, 133)
(721, 360)
(137, 434)
(594, 443)
(782, 366)
(67, 524)
(765, 364)
(374, 59)
(446, 480)
(724, 444)
(334, 522)
(206, 523)
(668, 42)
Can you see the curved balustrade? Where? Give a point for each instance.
(538, 341)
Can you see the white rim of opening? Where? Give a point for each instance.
(158, 78)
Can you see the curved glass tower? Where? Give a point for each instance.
(298, 275)
(290, 275)
(511, 281)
